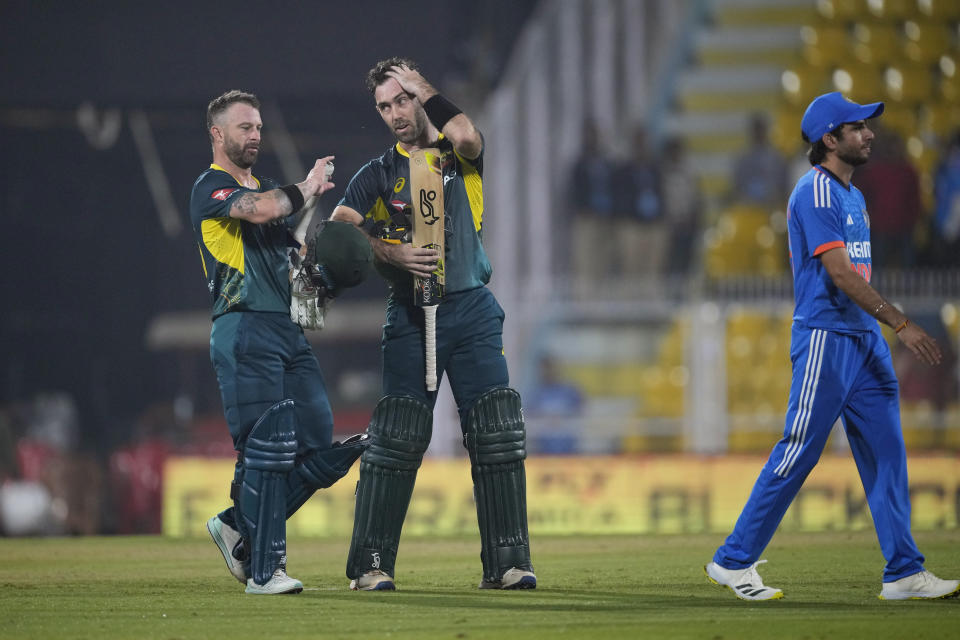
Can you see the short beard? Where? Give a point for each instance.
(419, 126)
(236, 154)
(852, 159)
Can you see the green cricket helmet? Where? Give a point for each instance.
(342, 254)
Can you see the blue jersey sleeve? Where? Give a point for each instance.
(819, 216)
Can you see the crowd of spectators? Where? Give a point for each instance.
(641, 213)
(632, 217)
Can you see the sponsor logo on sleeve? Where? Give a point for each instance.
(221, 194)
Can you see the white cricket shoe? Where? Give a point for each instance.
(228, 539)
(745, 583)
(375, 580)
(920, 586)
(513, 578)
(279, 583)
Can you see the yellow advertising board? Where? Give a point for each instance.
(589, 495)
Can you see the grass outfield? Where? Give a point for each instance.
(590, 587)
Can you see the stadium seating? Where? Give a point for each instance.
(892, 10)
(825, 45)
(909, 84)
(743, 243)
(927, 41)
(877, 43)
(899, 51)
(901, 119)
(939, 10)
(757, 341)
(785, 129)
(841, 11)
(801, 83)
(861, 82)
(949, 83)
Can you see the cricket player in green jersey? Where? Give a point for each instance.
(273, 393)
(469, 341)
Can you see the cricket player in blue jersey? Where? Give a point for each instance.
(469, 342)
(273, 393)
(841, 367)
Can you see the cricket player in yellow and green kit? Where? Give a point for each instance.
(469, 341)
(273, 393)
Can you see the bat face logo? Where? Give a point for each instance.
(427, 210)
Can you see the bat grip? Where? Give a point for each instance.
(430, 342)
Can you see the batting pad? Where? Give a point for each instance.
(321, 468)
(496, 441)
(268, 455)
(400, 431)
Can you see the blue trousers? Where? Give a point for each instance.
(261, 359)
(469, 348)
(850, 376)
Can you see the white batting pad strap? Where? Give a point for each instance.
(430, 342)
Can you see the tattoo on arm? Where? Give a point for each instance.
(283, 202)
(246, 205)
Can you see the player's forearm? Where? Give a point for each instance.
(267, 206)
(259, 208)
(867, 298)
(464, 136)
(346, 214)
(455, 125)
(382, 251)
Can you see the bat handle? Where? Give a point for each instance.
(430, 341)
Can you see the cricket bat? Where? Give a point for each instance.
(426, 191)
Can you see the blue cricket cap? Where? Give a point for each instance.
(829, 111)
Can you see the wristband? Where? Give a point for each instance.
(902, 325)
(296, 197)
(440, 110)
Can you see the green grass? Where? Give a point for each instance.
(590, 587)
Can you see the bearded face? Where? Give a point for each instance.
(241, 152)
(410, 134)
(854, 158)
(240, 126)
(854, 143)
(401, 112)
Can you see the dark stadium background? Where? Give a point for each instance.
(85, 260)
